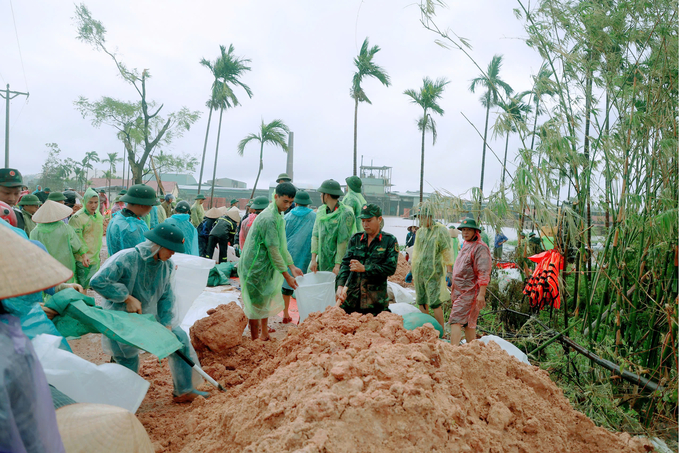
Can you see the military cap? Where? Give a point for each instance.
(47, 190)
(354, 183)
(260, 203)
(233, 200)
(122, 192)
(284, 177)
(369, 211)
(469, 223)
(330, 187)
(140, 194)
(10, 177)
(182, 207)
(167, 236)
(102, 191)
(56, 196)
(29, 200)
(200, 196)
(302, 198)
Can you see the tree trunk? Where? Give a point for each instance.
(217, 148)
(137, 172)
(586, 152)
(422, 156)
(356, 111)
(481, 179)
(252, 195)
(205, 146)
(505, 159)
(122, 177)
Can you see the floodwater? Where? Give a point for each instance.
(398, 227)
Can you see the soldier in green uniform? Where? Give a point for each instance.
(197, 211)
(535, 244)
(371, 257)
(29, 204)
(10, 188)
(354, 199)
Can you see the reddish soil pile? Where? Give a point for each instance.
(360, 383)
(220, 330)
(403, 268)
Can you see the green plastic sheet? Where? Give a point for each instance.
(220, 274)
(414, 320)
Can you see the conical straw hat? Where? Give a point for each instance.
(18, 255)
(234, 214)
(223, 210)
(87, 428)
(51, 211)
(213, 213)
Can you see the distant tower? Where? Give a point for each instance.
(289, 161)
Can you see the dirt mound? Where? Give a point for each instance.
(222, 329)
(403, 268)
(360, 383)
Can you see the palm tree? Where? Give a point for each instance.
(86, 163)
(492, 83)
(427, 99)
(227, 69)
(543, 86)
(112, 160)
(365, 68)
(513, 111)
(274, 133)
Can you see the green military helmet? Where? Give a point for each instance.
(182, 208)
(354, 183)
(469, 223)
(167, 236)
(102, 191)
(29, 200)
(233, 201)
(330, 187)
(260, 203)
(369, 211)
(302, 198)
(249, 204)
(47, 190)
(532, 234)
(200, 196)
(10, 177)
(140, 194)
(283, 177)
(122, 192)
(56, 196)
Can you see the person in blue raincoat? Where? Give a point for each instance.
(126, 229)
(299, 227)
(138, 280)
(182, 220)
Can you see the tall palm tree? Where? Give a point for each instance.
(86, 163)
(513, 115)
(493, 84)
(112, 160)
(427, 98)
(226, 70)
(365, 68)
(543, 86)
(274, 133)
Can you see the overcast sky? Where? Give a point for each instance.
(302, 64)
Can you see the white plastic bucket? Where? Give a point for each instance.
(190, 279)
(315, 292)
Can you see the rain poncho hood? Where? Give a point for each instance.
(61, 242)
(330, 235)
(299, 227)
(124, 233)
(183, 222)
(263, 261)
(471, 270)
(355, 201)
(431, 254)
(90, 229)
(197, 213)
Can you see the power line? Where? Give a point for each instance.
(16, 33)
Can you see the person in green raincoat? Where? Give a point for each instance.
(60, 239)
(197, 211)
(431, 264)
(265, 263)
(354, 200)
(88, 224)
(333, 227)
(29, 205)
(455, 243)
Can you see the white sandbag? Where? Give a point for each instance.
(401, 294)
(507, 347)
(86, 382)
(315, 292)
(189, 280)
(401, 308)
(505, 276)
(206, 301)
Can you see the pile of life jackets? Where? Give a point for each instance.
(543, 286)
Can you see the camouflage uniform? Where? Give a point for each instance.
(367, 291)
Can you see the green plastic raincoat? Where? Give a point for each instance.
(455, 248)
(431, 254)
(160, 212)
(29, 224)
(355, 201)
(197, 214)
(61, 241)
(90, 229)
(331, 234)
(264, 260)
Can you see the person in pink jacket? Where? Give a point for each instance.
(471, 275)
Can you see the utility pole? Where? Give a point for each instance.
(7, 95)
